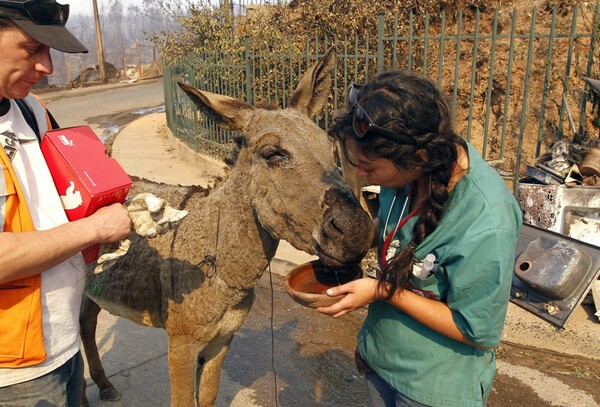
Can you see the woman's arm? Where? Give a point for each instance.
(431, 313)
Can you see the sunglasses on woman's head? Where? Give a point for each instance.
(362, 124)
(44, 12)
(352, 95)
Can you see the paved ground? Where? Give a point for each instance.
(312, 362)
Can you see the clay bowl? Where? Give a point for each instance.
(307, 283)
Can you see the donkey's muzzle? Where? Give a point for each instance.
(347, 231)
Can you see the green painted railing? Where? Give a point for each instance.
(513, 90)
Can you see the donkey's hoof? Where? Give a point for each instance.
(110, 394)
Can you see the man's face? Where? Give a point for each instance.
(23, 63)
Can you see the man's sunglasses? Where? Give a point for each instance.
(44, 12)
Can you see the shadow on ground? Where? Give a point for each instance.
(313, 362)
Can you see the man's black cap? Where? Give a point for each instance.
(53, 35)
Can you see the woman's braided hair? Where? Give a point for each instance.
(408, 104)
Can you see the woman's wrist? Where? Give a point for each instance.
(382, 291)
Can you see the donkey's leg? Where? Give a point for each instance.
(208, 385)
(88, 319)
(183, 359)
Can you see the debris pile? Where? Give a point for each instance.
(561, 197)
(568, 162)
(92, 74)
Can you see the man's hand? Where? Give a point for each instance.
(151, 216)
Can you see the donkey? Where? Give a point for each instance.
(197, 281)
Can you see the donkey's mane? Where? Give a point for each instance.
(266, 105)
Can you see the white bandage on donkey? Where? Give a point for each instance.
(151, 216)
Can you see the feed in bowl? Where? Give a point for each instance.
(307, 283)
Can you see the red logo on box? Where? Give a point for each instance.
(85, 177)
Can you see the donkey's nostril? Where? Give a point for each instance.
(337, 227)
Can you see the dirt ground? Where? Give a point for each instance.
(576, 372)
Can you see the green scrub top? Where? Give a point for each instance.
(474, 245)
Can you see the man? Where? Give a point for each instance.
(41, 268)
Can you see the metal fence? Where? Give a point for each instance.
(514, 79)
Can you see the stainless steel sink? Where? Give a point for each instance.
(554, 268)
(553, 273)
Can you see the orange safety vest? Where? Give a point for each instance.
(21, 333)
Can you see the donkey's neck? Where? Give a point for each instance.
(240, 245)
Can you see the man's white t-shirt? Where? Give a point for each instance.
(62, 285)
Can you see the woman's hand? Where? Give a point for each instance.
(358, 293)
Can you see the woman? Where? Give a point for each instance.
(447, 228)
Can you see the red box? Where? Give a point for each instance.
(85, 177)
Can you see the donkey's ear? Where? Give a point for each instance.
(229, 113)
(312, 92)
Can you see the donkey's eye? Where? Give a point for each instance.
(274, 156)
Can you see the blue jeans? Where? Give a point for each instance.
(60, 388)
(382, 394)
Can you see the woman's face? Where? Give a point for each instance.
(381, 171)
